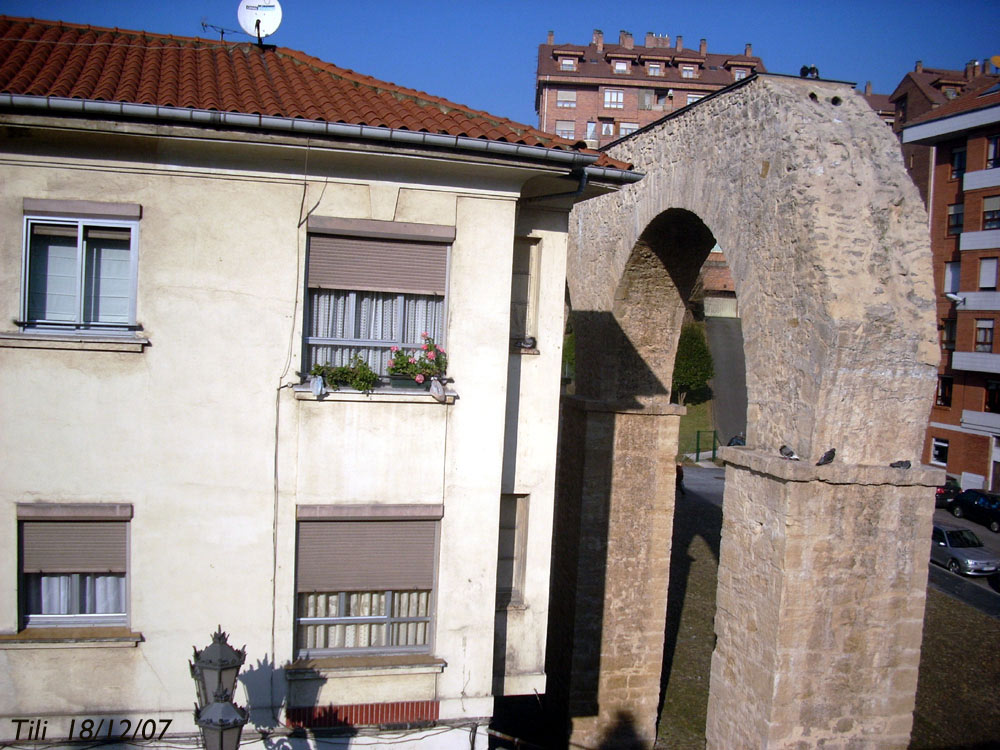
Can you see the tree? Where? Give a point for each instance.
(693, 365)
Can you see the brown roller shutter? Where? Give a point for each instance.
(377, 265)
(73, 546)
(365, 555)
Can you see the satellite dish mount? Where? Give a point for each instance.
(259, 19)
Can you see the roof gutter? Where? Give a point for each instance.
(214, 118)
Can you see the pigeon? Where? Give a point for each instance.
(827, 457)
(900, 464)
(788, 453)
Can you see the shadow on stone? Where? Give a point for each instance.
(622, 734)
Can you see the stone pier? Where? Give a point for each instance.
(822, 581)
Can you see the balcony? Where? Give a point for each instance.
(982, 178)
(985, 240)
(981, 421)
(976, 362)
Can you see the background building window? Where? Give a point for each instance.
(621, 66)
(80, 274)
(739, 74)
(364, 586)
(939, 451)
(567, 63)
(565, 128)
(614, 99)
(607, 127)
(366, 296)
(647, 98)
(957, 162)
(956, 218)
(73, 573)
(626, 128)
(692, 98)
(949, 329)
(984, 335)
(945, 386)
(991, 212)
(687, 71)
(655, 69)
(952, 272)
(566, 99)
(993, 152)
(591, 130)
(993, 396)
(987, 274)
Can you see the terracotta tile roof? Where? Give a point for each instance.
(56, 59)
(975, 97)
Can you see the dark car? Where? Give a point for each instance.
(945, 494)
(961, 551)
(979, 506)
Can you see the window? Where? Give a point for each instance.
(739, 74)
(367, 294)
(939, 451)
(950, 93)
(647, 98)
(957, 162)
(614, 99)
(901, 109)
(956, 218)
(987, 274)
(687, 71)
(993, 152)
(511, 549)
(692, 98)
(626, 128)
(621, 66)
(591, 130)
(607, 127)
(565, 128)
(566, 99)
(951, 277)
(80, 273)
(945, 386)
(567, 63)
(992, 396)
(991, 212)
(73, 565)
(984, 335)
(948, 330)
(655, 69)
(365, 584)
(524, 291)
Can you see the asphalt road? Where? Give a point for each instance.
(980, 592)
(729, 386)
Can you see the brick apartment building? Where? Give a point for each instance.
(961, 177)
(600, 92)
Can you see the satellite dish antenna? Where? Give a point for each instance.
(259, 19)
(996, 61)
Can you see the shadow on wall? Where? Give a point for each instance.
(622, 734)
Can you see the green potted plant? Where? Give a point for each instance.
(415, 368)
(356, 374)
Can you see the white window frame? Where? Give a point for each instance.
(692, 98)
(565, 99)
(80, 324)
(739, 74)
(614, 98)
(626, 128)
(939, 445)
(687, 71)
(620, 67)
(563, 132)
(567, 63)
(655, 69)
(607, 128)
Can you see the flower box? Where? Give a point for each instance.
(407, 382)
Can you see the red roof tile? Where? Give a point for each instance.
(974, 98)
(52, 58)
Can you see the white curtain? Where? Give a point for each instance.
(76, 594)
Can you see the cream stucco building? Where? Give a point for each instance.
(188, 225)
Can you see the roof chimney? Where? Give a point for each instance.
(749, 50)
(625, 39)
(703, 47)
(970, 70)
(919, 67)
(552, 38)
(598, 40)
(868, 88)
(680, 43)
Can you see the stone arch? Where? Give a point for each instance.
(803, 187)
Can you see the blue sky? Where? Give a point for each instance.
(483, 54)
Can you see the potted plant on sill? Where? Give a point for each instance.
(417, 368)
(356, 374)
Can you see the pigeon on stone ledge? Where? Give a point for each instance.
(827, 457)
(788, 453)
(900, 464)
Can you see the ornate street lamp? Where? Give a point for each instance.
(214, 671)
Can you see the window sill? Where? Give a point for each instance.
(364, 666)
(113, 637)
(381, 396)
(88, 342)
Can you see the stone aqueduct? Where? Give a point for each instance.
(822, 570)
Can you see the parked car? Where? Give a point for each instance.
(945, 494)
(961, 551)
(981, 507)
